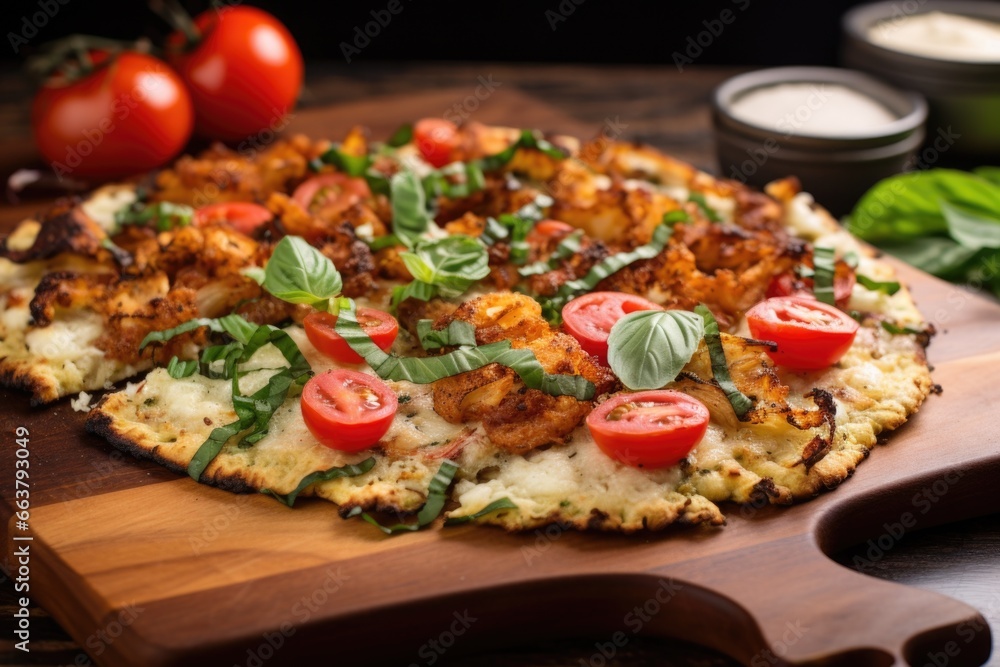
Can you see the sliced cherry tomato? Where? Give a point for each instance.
(810, 334)
(242, 216)
(380, 326)
(436, 139)
(589, 318)
(339, 191)
(348, 410)
(244, 73)
(787, 284)
(130, 114)
(649, 429)
(547, 230)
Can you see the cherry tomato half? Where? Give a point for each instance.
(348, 410)
(131, 114)
(242, 216)
(589, 318)
(380, 326)
(244, 73)
(649, 429)
(810, 334)
(339, 191)
(436, 139)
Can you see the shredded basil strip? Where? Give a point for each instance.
(410, 218)
(895, 329)
(401, 136)
(673, 217)
(528, 139)
(568, 247)
(457, 333)
(352, 165)
(430, 369)
(163, 215)
(349, 470)
(299, 273)
(824, 268)
(501, 504)
(436, 496)
(552, 306)
(514, 227)
(234, 325)
(720, 368)
(178, 369)
(229, 354)
(648, 348)
(254, 412)
(709, 212)
(438, 183)
(885, 287)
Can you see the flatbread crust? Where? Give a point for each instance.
(880, 383)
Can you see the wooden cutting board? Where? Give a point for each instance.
(144, 567)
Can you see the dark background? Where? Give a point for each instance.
(761, 32)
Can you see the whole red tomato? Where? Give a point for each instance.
(244, 72)
(130, 114)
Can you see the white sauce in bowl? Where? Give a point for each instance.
(940, 35)
(816, 109)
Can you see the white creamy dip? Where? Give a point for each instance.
(818, 109)
(940, 35)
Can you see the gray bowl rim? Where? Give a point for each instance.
(897, 130)
(856, 21)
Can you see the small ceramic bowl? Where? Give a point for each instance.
(963, 96)
(835, 168)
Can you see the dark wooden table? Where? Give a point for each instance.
(656, 105)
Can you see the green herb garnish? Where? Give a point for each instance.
(824, 267)
(528, 139)
(350, 470)
(299, 273)
(163, 215)
(501, 504)
(647, 349)
(720, 368)
(457, 333)
(436, 495)
(706, 210)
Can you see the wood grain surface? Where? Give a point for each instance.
(185, 574)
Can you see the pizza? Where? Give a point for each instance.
(480, 322)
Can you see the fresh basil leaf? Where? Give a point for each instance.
(352, 165)
(824, 268)
(410, 218)
(673, 217)
(209, 449)
(387, 241)
(706, 210)
(439, 183)
(163, 215)
(528, 139)
(299, 273)
(190, 325)
(452, 264)
(552, 306)
(178, 369)
(648, 348)
(908, 205)
(720, 368)
(437, 492)
(970, 229)
(501, 504)
(401, 137)
(457, 333)
(941, 257)
(229, 354)
(430, 369)
(568, 247)
(413, 290)
(885, 287)
(991, 174)
(378, 182)
(349, 470)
